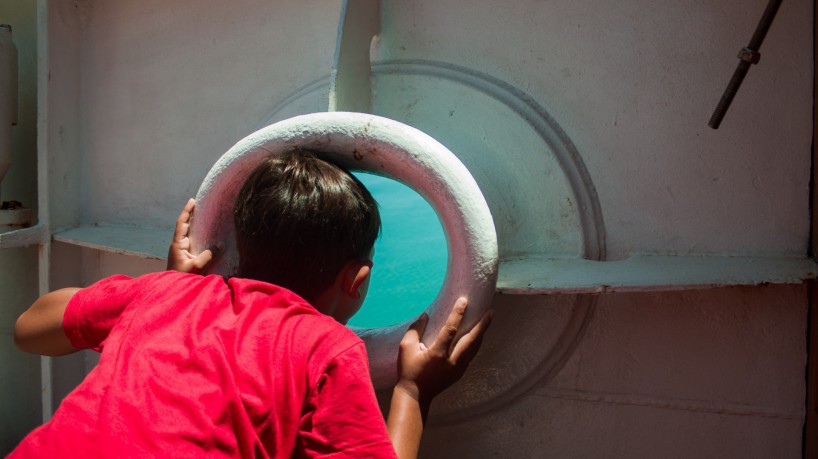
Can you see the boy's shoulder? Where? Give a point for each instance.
(232, 302)
(285, 315)
(293, 307)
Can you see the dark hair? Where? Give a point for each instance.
(299, 219)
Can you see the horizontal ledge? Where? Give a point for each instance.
(540, 275)
(534, 275)
(23, 237)
(150, 243)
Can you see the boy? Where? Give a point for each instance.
(256, 365)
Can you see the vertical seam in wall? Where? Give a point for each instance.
(809, 438)
(812, 190)
(810, 432)
(44, 261)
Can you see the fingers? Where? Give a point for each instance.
(469, 343)
(202, 259)
(183, 222)
(179, 256)
(411, 339)
(445, 338)
(416, 330)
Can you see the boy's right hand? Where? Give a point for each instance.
(179, 256)
(425, 372)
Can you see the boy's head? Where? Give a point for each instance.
(302, 223)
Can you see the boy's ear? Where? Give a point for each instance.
(354, 274)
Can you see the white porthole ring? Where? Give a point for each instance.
(385, 147)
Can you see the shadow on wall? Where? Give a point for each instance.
(647, 372)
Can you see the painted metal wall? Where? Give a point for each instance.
(585, 125)
(20, 373)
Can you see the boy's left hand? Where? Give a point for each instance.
(179, 256)
(425, 372)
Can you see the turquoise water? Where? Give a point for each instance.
(410, 256)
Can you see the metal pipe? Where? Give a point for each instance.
(749, 55)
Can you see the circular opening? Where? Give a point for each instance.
(371, 143)
(410, 256)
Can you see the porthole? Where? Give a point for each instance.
(386, 147)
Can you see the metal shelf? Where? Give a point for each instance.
(540, 275)
(150, 243)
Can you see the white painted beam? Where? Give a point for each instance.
(43, 192)
(351, 86)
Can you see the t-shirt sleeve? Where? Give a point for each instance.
(342, 419)
(94, 310)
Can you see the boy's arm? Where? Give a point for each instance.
(179, 256)
(425, 372)
(39, 329)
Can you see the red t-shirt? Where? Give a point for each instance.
(196, 366)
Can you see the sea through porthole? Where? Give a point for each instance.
(410, 255)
